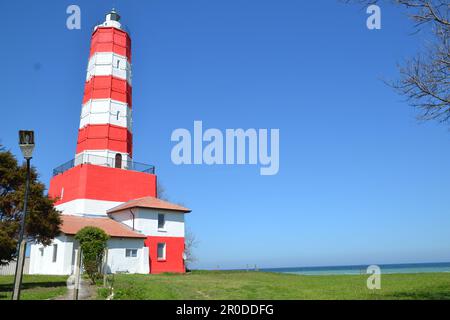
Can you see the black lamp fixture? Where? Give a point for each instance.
(26, 143)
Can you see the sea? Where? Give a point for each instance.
(362, 269)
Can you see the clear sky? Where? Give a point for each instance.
(360, 181)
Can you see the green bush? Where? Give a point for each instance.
(93, 242)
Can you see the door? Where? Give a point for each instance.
(118, 161)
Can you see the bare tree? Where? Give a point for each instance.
(424, 80)
(161, 191)
(190, 243)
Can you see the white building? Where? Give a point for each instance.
(146, 236)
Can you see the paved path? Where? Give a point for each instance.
(87, 291)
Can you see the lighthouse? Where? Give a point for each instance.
(90, 184)
(102, 185)
(105, 125)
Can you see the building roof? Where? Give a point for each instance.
(72, 224)
(149, 202)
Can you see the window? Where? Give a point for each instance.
(118, 64)
(118, 161)
(131, 253)
(55, 252)
(41, 250)
(161, 221)
(161, 251)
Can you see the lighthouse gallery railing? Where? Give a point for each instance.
(104, 162)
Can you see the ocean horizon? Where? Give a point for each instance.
(362, 269)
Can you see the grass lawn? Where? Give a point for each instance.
(263, 285)
(34, 287)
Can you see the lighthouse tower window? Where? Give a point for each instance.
(118, 161)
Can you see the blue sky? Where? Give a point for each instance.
(360, 180)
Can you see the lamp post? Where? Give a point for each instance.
(26, 144)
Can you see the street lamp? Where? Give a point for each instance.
(26, 144)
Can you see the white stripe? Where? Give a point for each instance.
(106, 111)
(104, 158)
(109, 64)
(87, 207)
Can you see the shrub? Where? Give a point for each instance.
(93, 242)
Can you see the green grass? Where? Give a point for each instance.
(34, 287)
(264, 285)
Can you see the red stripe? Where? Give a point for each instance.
(107, 87)
(105, 137)
(108, 39)
(101, 183)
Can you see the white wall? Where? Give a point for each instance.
(125, 217)
(86, 207)
(104, 111)
(105, 158)
(65, 260)
(105, 64)
(43, 264)
(118, 262)
(146, 221)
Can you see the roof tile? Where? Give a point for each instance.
(72, 224)
(149, 202)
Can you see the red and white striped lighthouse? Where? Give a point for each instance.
(103, 186)
(103, 174)
(105, 124)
